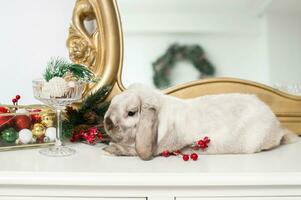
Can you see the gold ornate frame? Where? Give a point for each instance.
(102, 52)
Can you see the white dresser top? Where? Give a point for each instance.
(281, 166)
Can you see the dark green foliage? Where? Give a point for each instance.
(94, 105)
(59, 67)
(67, 129)
(102, 108)
(95, 99)
(164, 64)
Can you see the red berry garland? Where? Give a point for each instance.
(177, 152)
(200, 144)
(89, 136)
(165, 153)
(185, 157)
(194, 156)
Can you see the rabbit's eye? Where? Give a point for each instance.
(131, 113)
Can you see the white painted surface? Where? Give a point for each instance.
(90, 173)
(243, 198)
(91, 166)
(69, 198)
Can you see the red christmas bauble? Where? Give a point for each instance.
(5, 120)
(185, 157)
(36, 118)
(194, 156)
(22, 121)
(4, 110)
(165, 153)
(40, 139)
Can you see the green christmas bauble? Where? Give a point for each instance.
(9, 135)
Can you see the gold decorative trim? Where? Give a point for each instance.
(25, 146)
(102, 52)
(224, 80)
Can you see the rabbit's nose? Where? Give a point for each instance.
(109, 123)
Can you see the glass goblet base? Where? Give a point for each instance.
(57, 151)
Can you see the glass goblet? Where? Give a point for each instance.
(58, 95)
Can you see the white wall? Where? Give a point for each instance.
(31, 32)
(230, 34)
(236, 56)
(284, 46)
(254, 40)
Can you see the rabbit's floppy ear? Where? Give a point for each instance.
(146, 133)
(146, 129)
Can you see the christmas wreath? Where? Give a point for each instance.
(165, 63)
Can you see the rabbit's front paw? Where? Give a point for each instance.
(113, 149)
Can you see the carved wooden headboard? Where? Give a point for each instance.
(102, 52)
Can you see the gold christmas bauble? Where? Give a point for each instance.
(38, 130)
(47, 118)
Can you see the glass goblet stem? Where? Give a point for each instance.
(58, 141)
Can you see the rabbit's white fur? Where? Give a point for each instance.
(235, 123)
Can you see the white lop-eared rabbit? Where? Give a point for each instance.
(145, 122)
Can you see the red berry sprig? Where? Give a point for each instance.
(16, 99)
(194, 156)
(200, 144)
(177, 152)
(89, 136)
(185, 157)
(165, 154)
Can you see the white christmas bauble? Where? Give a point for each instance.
(50, 133)
(58, 87)
(25, 136)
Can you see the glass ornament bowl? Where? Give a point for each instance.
(58, 93)
(17, 123)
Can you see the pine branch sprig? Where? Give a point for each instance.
(60, 67)
(56, 67)
(82, 72)
(95, 99)
(102, 108)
